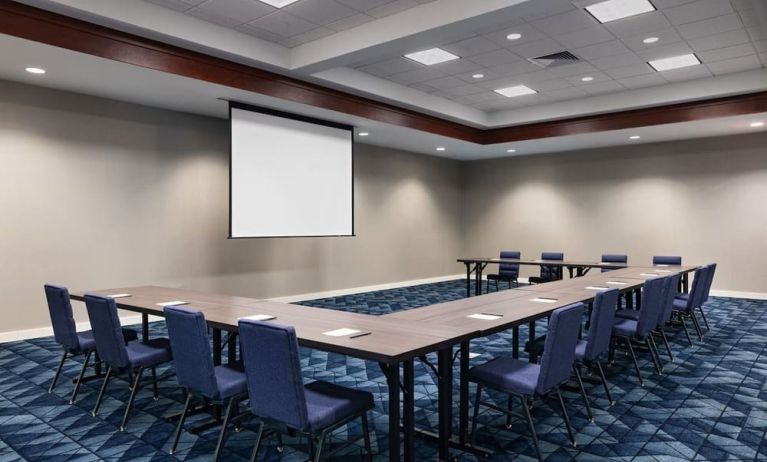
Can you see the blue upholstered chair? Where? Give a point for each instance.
(525, 380)
(195, 371)
(706, 293)
(685, 307)
(508, 272)
(640, 329)
(132, 357)
(278, 394)
(549, 272)
(613, 258)
(66, 335)
(666, 260)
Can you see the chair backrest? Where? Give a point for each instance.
(652, 304)
(601, 324)
(550, 271)
(669, 292)
(107, 331)
(559, 349)
(613, 258)
(62, 319)
(192, 356)
(707, 290)
(509, 269)
(698, 289)
(667, 260)
(273, 368)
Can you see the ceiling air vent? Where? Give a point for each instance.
(555, 59)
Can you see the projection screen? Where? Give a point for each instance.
(290, 176)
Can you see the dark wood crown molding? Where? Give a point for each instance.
(62, 31)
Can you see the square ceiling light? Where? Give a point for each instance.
(431, 56)
(674, 62)
(518, 90)
(278, 3)
(612, 10)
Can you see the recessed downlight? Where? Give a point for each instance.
(649, 40)
(674, 62)
(431, 56)
(634, 137)
(517, 90)
(757, 124)
(511, 150)
(35, 70)
(441, 148)
(612, 10)
(478, 76)
(514, 36)
(278, 3)
(588, 78)
(363, 133)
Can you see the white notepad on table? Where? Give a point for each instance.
(343, 332)
(617, 283)
(172, 303)
(485, 316)
(655, 275)
(118, 295)
(661, 266)
(597, 288)
(259, 317)
(544, 300)
(662, 271)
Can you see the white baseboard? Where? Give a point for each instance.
(26, 334)
(738, 294)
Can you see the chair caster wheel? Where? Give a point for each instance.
(157, 398)
(122, 429)
(591, 420)
(280, 449)
(71, 402)
(508, 427)
(93, 414)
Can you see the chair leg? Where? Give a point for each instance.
(634, 358)
(583, 393)
(259, 433)
(496, 286)
(222, 435)
(154, 384)
(180, 425)
(132, 398)
(80, 377)
(320, 443)
(650, 342)
(476, 413)
(684, 326)
(510, 407)
(703, 315)
(101, 392)
(566, 417)
(366, 436)
(696, 324)
(665, 342)
(58, 372)
(604, 382)
(532, 430)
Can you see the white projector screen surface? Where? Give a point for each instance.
(289, 178)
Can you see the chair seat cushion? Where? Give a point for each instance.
(155, 351)
(507, 374)
(580, 350)
(87, 342)
(502, 277)
(230, 381)
(328, 404)
(627, 314)
(626, 327)
(684, 297)
(680, 305)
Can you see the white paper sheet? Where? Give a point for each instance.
(173, 303)
(597, 288)
(484, 317)
(119, 295)
(544, 300)
(617, 283)
(343, 332)
(259, 317)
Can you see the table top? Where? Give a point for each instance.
(540, 262)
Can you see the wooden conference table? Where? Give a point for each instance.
(396, 340)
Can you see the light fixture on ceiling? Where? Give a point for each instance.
(674, 62)
(612, 10)
(588, 78)
(478, 76)
(634, 137)
(440, 148)
(363, 133)
(511, 150)
(35, 70)
(649, 40)
(757, 124)
(431, 56)
(514, 36)
(517, 90)
(278, 3)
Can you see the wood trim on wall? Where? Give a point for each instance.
(81, 36)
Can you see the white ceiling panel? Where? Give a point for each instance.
(721, 54)
(565, 22)
(718, 25)
(697, 11)
(584, 37)
(739, 64)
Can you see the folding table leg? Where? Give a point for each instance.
(445, 365)
(408, 410)
(392, 380)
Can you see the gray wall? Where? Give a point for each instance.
(97, 193)
(704, 199)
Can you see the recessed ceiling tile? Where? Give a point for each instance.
(528, 32)
(763, 58)
(642, 24)
(565, 22)
(600, 50)
(470, 47)
(611, 62)
(642, 81)
(580, 67)
(537, 48)
(350, 22)
(314, 34)
(516, 68)
(721, 54)
(757, 33)
(445, 82)
(320, 11)
(665, 51)
(497, 104)
(419, 75)
(496, 57)
(214, 18)
(711, 42)
(553, 84)
(395, 66)
(363, 5)
(485, 95)
(535, 10)
(422, 86)
(236, 11)
(565, 93)
(630, 71)
(584, 37)
(391, 8)
(697, 11)
(663, 4)
(761, 46)
(177, 5)
(290, 42)
(602, 87)
(749, 18)
(665, 37)
(262, 34)
(456, 66)
(283, 23)
(465, 90)
(532, 100)
(687, 73)
(741, 5)
(711, 26)
(740, 64)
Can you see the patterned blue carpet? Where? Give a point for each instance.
(708, 405)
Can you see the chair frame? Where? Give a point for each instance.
(134, 384)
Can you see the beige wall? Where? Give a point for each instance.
(703, 199)
(96, 193)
